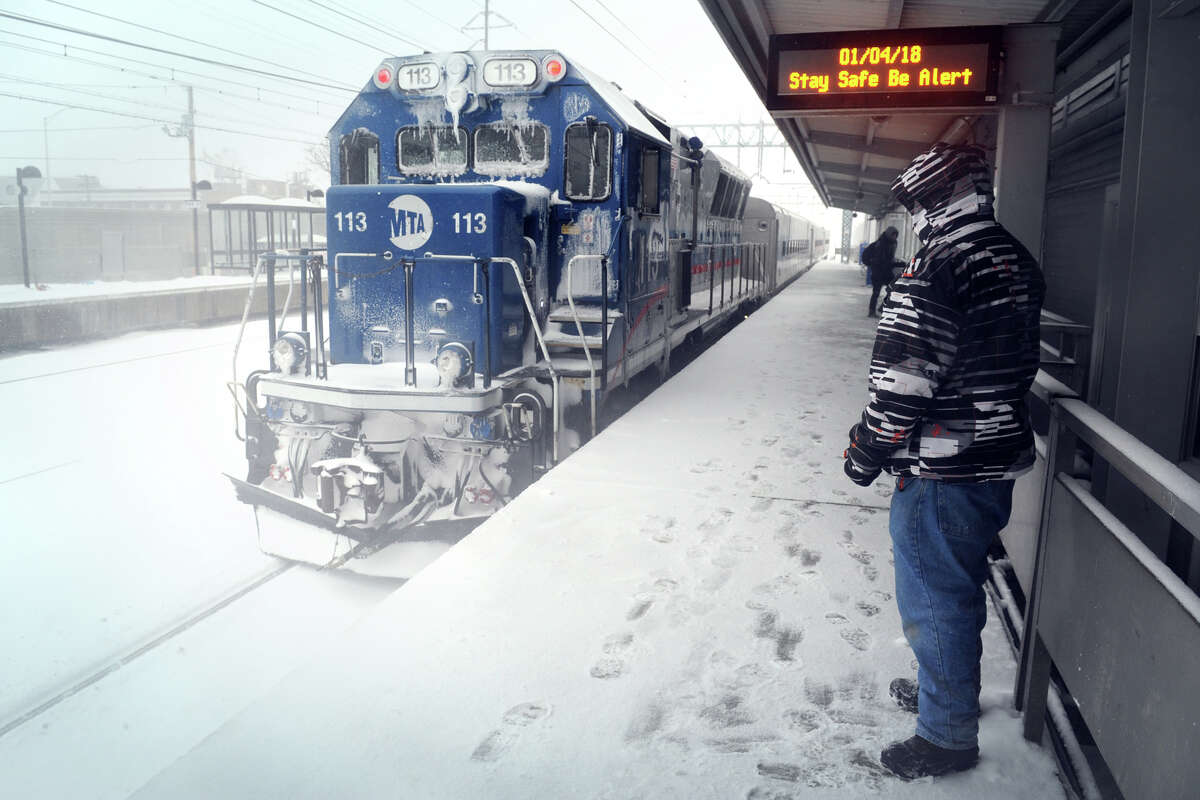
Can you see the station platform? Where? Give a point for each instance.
(696, 604)
(58, 313)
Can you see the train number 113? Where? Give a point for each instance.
(470, 223)
(353, 220)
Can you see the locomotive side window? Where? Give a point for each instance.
(740, 211)
(359, 157)
(718, 200)
(588, 174)
(432, 150)
(504, 148)
(648, 193)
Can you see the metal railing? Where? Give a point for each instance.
(587, 353)
(1122, 629)
(733, 258)
(1065, 346)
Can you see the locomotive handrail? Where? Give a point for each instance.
(579, 324)
(537, 332)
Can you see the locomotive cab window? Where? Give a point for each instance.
(432, 150)
(648, 192)
(359, 157)
(588, 174)
(505, 148)
(719, 193)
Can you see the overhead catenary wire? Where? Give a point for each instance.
(156, 119)
(152, 65)
(616, 38)
(356, 17)
(141, 103)
(621, 22)
(206, 45)
(327, 29)
(176, 53)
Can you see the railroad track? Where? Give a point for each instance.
(257, 582)
(116, 664)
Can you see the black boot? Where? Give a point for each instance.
(920, 758)
(905, 692)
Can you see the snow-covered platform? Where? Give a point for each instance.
(57, 313)
(697, 604)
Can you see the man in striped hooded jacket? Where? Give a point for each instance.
(956, 351)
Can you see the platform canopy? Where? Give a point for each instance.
(852, 157)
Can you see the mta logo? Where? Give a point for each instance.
(412, 222)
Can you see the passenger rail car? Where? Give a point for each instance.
(508, 234)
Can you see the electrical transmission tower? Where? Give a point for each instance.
(482, 21)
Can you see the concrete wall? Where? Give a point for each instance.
(39, 323)
(74, 245)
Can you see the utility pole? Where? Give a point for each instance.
(191, 132)
(187, 128)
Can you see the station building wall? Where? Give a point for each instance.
(77, 245)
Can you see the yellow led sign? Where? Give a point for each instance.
(872, 69)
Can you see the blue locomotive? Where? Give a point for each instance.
(508, 236)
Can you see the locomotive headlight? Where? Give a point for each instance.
(456, 67)
(289, 351)
(453, 363)
(298, 411)
(554, 68)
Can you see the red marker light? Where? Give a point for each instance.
(383, 76)
(555, 68)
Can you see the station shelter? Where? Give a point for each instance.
(243, 227)
(1090, 113)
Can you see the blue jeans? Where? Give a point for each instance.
(940, 538)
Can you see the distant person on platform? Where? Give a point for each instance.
(878, 258)
(948, 417)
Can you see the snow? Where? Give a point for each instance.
(621, 105)
(19, 294)
(536, 196)
(695, 604)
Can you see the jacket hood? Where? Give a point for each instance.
(946, 185)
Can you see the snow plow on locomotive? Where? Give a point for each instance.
(508, 236)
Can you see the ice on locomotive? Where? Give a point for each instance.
(506, 233)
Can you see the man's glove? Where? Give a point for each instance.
(863, 463)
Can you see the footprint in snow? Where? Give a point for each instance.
(617, 643)
(608, 667)
(762, 504)
(818, 693)
(770, 793)
(727, 713)
(867, 609)
(857, 638)
(660, 529)
(641, 605)
(869, 572)
(496, 743)
(647, 722)
(786, 638)
(836, 619)
(739, 744)
(717, 519)
(806, 720)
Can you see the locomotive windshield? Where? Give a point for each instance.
(502, 148)
(429, 149)
(589, 161)
(359, 153)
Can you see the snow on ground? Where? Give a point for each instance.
(18, 293)
(696, 604)
(118, 521)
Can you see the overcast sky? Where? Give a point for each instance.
(663, 52)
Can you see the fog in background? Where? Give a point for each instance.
(57, 85)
